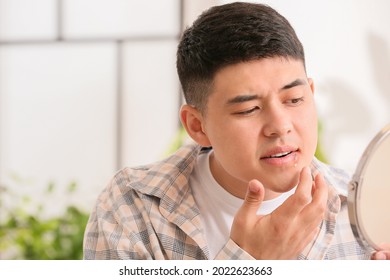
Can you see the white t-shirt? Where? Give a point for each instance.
(218, 207)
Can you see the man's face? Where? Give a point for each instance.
(261, 122)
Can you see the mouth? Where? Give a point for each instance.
(279, 152)
(281, 155)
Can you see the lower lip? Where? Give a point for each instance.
(282, 161)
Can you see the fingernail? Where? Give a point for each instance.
(253, 187)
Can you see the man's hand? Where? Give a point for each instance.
(284, 233)
(383, 254)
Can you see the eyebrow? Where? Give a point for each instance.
(245, 98)
(242, 98)
(297, 82)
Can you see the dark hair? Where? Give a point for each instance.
(229, 34)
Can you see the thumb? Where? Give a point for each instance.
(253, 198)
(247, 213)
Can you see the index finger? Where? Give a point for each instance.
(315, 210)
(302, 196)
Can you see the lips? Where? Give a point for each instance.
(279, 152)
(281, 156)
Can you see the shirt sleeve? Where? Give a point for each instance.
(231, 251)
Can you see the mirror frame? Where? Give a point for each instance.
(354, 190)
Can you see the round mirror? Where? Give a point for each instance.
(369, 193)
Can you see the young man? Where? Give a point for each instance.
(250, 188)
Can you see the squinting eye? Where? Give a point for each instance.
(247, 112)
(296, 100)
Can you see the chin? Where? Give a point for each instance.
(283, 184)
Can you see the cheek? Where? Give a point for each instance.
(309, 128)
(235, 162)
(234, 143)
(231, 133)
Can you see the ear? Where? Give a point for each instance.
(193, 123)
(311, 84)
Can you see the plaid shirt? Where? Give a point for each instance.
(149, 212)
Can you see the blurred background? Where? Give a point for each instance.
(90, 86)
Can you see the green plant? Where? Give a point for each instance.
(320, 154)
(179, 140)
(28, 234)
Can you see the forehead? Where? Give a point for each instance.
(266, 75)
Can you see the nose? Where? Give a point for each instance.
(278, 122)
